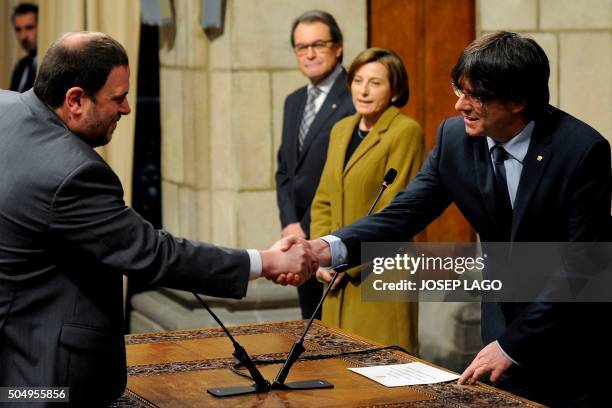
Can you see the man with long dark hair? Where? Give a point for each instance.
(519, 170)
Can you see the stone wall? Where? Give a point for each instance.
(221, 108)
(222, 104)
(577, 37)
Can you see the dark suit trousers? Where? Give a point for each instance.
(310, 293)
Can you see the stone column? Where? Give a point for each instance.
(221, 107)
(252, 70)
(184, 96)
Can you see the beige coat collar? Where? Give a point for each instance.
(371, 140)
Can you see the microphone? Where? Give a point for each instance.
(389, 178)
(261, 384)
(298, 346)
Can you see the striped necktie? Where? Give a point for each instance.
(308, 116)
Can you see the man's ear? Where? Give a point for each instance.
(74, 100)
(338, 50)
(518, 106)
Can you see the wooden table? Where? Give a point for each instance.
(174, 369)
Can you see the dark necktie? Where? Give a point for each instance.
(308, 116)
(504, 207)
(25, 76)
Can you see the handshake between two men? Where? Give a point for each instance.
(292, 260)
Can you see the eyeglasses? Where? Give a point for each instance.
(318, 46)
(471, 98)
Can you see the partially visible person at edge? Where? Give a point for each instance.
(362, 149)
(25, 24)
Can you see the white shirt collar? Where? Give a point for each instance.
(517, 146)
(326, 85)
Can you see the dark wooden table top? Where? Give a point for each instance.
(174, 369)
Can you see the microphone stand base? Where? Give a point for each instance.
(302, 385)
(238, 390)
(253, 389)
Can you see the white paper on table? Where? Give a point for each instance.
(397, 375)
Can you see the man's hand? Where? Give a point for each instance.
(287, 242)
(294, 229)
(490, 359)
(289, 261)
(321, 250)
(318, 247)
(326, 275)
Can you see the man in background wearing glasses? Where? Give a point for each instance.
(309, 115)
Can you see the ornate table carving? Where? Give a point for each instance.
(321, 340)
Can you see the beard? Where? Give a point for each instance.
(97, 140)
(99, 132)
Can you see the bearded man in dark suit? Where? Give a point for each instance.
(67, 237)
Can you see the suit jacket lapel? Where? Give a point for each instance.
(331, 103)
(340, 153)
(484, 176)
(373, 137)
(535, 163)
(345, 140)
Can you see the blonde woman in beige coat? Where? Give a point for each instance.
(362, 148)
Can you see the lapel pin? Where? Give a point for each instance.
(539, 158)
(333, 106)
